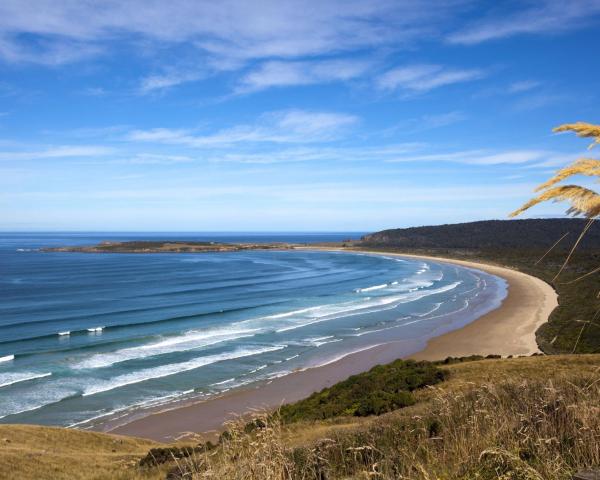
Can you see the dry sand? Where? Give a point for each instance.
(507, 330)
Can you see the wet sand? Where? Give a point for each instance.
(507, 330)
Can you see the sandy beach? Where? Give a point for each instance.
(507, 330)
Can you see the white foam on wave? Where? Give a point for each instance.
(173, 368)
(369, 289)
(257, 369)
(395, 259)
(7, 379)
(348, 309)
(149, 402)
(229, 380)
(436, 307)
(424, 268)
(95, 329)
(33, 399)
(318, 341)
(180, 343)
(63, 334)
(7, 358)
(344, 355)
(287, 314)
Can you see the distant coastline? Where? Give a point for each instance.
(167, 246)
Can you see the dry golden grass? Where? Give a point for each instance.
(582, 129)
(34, 452)
(583, 201)
(463, 377)
(518, 419)
(584, 166)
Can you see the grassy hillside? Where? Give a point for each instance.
(518, 244)
(40, 453)
(515, 419)
(511, 419)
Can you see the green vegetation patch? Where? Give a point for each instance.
(382, 389)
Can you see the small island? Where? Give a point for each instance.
(168, 246)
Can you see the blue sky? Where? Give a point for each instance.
(335, 115)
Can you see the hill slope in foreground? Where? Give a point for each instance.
(523, 245)
(519, 419)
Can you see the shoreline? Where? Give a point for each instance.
(500, 331)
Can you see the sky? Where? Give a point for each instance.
(328, 115)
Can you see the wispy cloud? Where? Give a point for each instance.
(158, 159)
(321, 154)
(424, 123)
(523, 86)
(232, 29)
(537, 100)
(283, 74)
(289, 126)
(422, 78)
(167, 80)
(484, 157)
(48, 52)
(318, 194)
(94, 91)
(547, 17)
(64, 151)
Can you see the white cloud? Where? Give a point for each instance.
(512, 156)
(94, 91)
(424, 123)
(548, 17)
(421, 78)
(290, 126)
(484, 157)
(46, 52)
(158, 159)
(229, 29)
(537, 100)
(282, 74)
(313, 154)
(318, 194)
(557, 160)
(523, 86)
(164, 81)
(65, 151)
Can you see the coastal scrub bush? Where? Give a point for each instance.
(382, 389)
(158, 456)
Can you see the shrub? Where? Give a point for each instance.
(382, 389)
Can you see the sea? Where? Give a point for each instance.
(86, 337)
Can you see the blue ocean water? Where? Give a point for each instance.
(86, 336)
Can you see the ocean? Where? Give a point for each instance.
(87, 337)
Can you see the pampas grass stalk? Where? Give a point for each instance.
(583, 201)
(582, 129)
